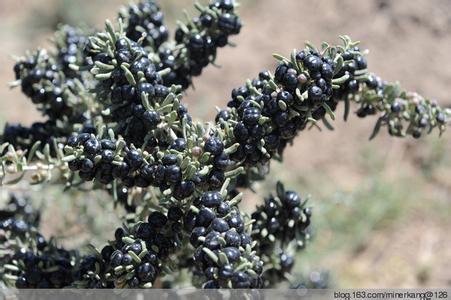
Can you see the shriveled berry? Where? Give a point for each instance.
(241, 132)
(107, 144)
(183, 189)
(151, 119)
(251, 116)
(173, 173)
(169, 159)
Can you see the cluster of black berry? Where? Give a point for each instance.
(280, 264)
(313, 77)
(96, 158)
(126, 74)
(46, 267)
(41, 80)
(23, 138)
(200, 39)
(18, 214)
(422, 117)
(124, 89)
(377, 86)
(250, 132)
(101, 159)
(223, 254)
(269, 110)
(29, 260)
(354, 67)
(403, 113)
(280, 226)
(70, 43)
(125, 79)
(133, 259)
(220, 162)
(283, 219)
(146, 20)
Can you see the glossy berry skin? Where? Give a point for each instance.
(116, 258)
(396, 107)
(212, 240)
(251, 116)
(204, 217)
(196, 233)
(232, 253)
(151, 119)
(240, 280)
(214, 146)
(313, 63)
(211, 199)
(315, 93)
(146, 272)
(292, 199)
(223, 209)
(179, 144)
(233, 238)
(219, 225)
(134, 159)
(226, 272)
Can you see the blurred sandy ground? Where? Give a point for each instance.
(410, 41)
